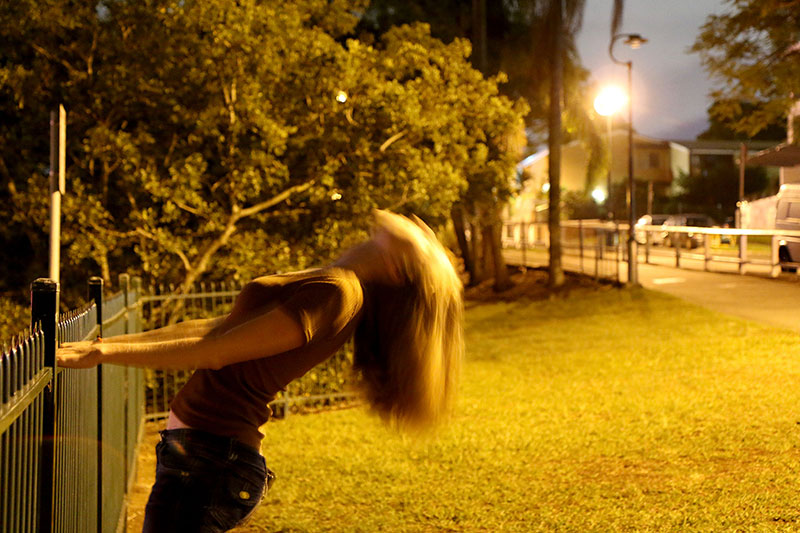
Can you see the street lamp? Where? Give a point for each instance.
(634, 40)
(608, 101)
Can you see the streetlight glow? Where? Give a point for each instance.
(341, 97)
(610, 100)
(599, 195)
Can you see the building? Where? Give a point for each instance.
(657, 163)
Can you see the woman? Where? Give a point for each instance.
(396, 293)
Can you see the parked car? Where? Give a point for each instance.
(787, 216)
(685, 239)
(655, 237)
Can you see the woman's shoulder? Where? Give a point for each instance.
(334, 278)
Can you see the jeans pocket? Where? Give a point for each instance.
(172, 456)
(235, 501)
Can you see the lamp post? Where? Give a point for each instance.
(634, 40)
(608, 101)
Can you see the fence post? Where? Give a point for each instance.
(742, 254)
(136, 285)
(44, 311)
(96, 294)
(775, 260)
(617, 244)
(125, 287)
(598, 246)
(580, 240)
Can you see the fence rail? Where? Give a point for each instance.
(599, 246)
(68, 437)
(596, 247)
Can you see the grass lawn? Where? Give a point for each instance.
(608, 410)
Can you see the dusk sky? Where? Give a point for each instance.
(670, 87)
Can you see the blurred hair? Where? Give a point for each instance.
(409, 342)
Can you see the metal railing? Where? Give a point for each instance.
(716, 246)
(160, 306)
(597, 248)
(68, 437)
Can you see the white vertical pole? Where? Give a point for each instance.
(58, 157)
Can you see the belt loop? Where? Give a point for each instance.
(232, 449)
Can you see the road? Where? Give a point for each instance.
(754, 296)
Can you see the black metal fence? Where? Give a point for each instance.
(68, 437)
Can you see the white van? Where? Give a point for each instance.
(787, 216)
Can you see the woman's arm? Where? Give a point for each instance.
(190, 328)
(266, 334)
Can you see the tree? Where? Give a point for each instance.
(753, 51)
(722, 130)
(228, 138)
(564, 20)
(714, 190)
(500, 33)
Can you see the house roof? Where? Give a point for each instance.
(531, 159)
(783, 155)
(639, 140)
(711, 147)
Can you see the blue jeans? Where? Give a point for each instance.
(204, 483)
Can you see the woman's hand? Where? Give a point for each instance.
(85, 354)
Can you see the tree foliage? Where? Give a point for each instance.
(715, 189)
(753, 51)
(230, 138)
(719, 129)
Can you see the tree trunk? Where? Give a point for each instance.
(487, 256)
(480, 56)
(457, 216)
(502, 280)
(556, 270)
(477, 253)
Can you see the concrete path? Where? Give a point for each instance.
(774, 301)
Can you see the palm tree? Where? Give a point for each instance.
(564, 18)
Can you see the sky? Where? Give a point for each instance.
(670, 87)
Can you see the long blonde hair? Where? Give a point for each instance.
(409, 343)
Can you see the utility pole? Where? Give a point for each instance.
(58, 159)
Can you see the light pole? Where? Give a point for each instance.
(608, 101)
(634, 40)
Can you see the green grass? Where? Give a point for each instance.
(757, 245)
(605, 411)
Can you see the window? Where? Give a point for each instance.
(793, 210)
(654, 160)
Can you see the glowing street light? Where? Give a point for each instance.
(610, 100)
(341, 97)
(599, 195)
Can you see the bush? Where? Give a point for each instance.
(14, 318)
